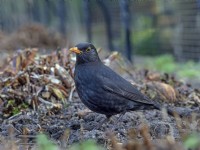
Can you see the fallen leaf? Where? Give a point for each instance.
(163, 91)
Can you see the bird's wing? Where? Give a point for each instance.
(132, 96)
(119, 86)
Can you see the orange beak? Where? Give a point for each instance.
(75, 50)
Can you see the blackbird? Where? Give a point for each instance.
(101, 89)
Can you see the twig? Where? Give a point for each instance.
(49, 103)
(71, 93)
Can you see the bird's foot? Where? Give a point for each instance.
(96, 125)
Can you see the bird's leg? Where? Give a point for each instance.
(107, 119)
(118, 120)
(120, 116)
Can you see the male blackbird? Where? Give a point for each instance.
(101, 89)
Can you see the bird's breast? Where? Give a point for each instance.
(83, 81)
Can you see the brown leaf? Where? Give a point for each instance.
(151, 76)
(28, 57)
(163, 91)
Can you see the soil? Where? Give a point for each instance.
(81, 124)
(71, 121)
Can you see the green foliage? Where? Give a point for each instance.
(14, 107)
(189, 69)
(146, 42)
(15, 111)
(18, 108)
(44, 143)
(11, 102)
(190, 73)
(145, 38)
(192, 141)
(165, 63)
(87, 145)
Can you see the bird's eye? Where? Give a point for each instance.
(88, 49)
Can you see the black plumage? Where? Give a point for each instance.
(101, 89)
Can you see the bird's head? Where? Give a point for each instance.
(85, 53)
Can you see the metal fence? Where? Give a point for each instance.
(187, 41)
(147, 27)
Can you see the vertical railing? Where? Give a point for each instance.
(61, 10)
(47, 14)
(108, 22)
(88, 20)
(36, 12)
(126, 20)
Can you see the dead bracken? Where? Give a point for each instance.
(29, 80)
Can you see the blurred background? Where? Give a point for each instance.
(158, 34)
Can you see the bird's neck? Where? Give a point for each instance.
(78, 63)
(83, 61)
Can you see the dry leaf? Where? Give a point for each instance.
(163, 91)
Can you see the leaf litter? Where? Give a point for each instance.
(37, 95)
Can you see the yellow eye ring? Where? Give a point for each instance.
(88, 49)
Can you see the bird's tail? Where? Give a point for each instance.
(181, 111)
(160, 107)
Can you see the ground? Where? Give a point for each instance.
(38, 96)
